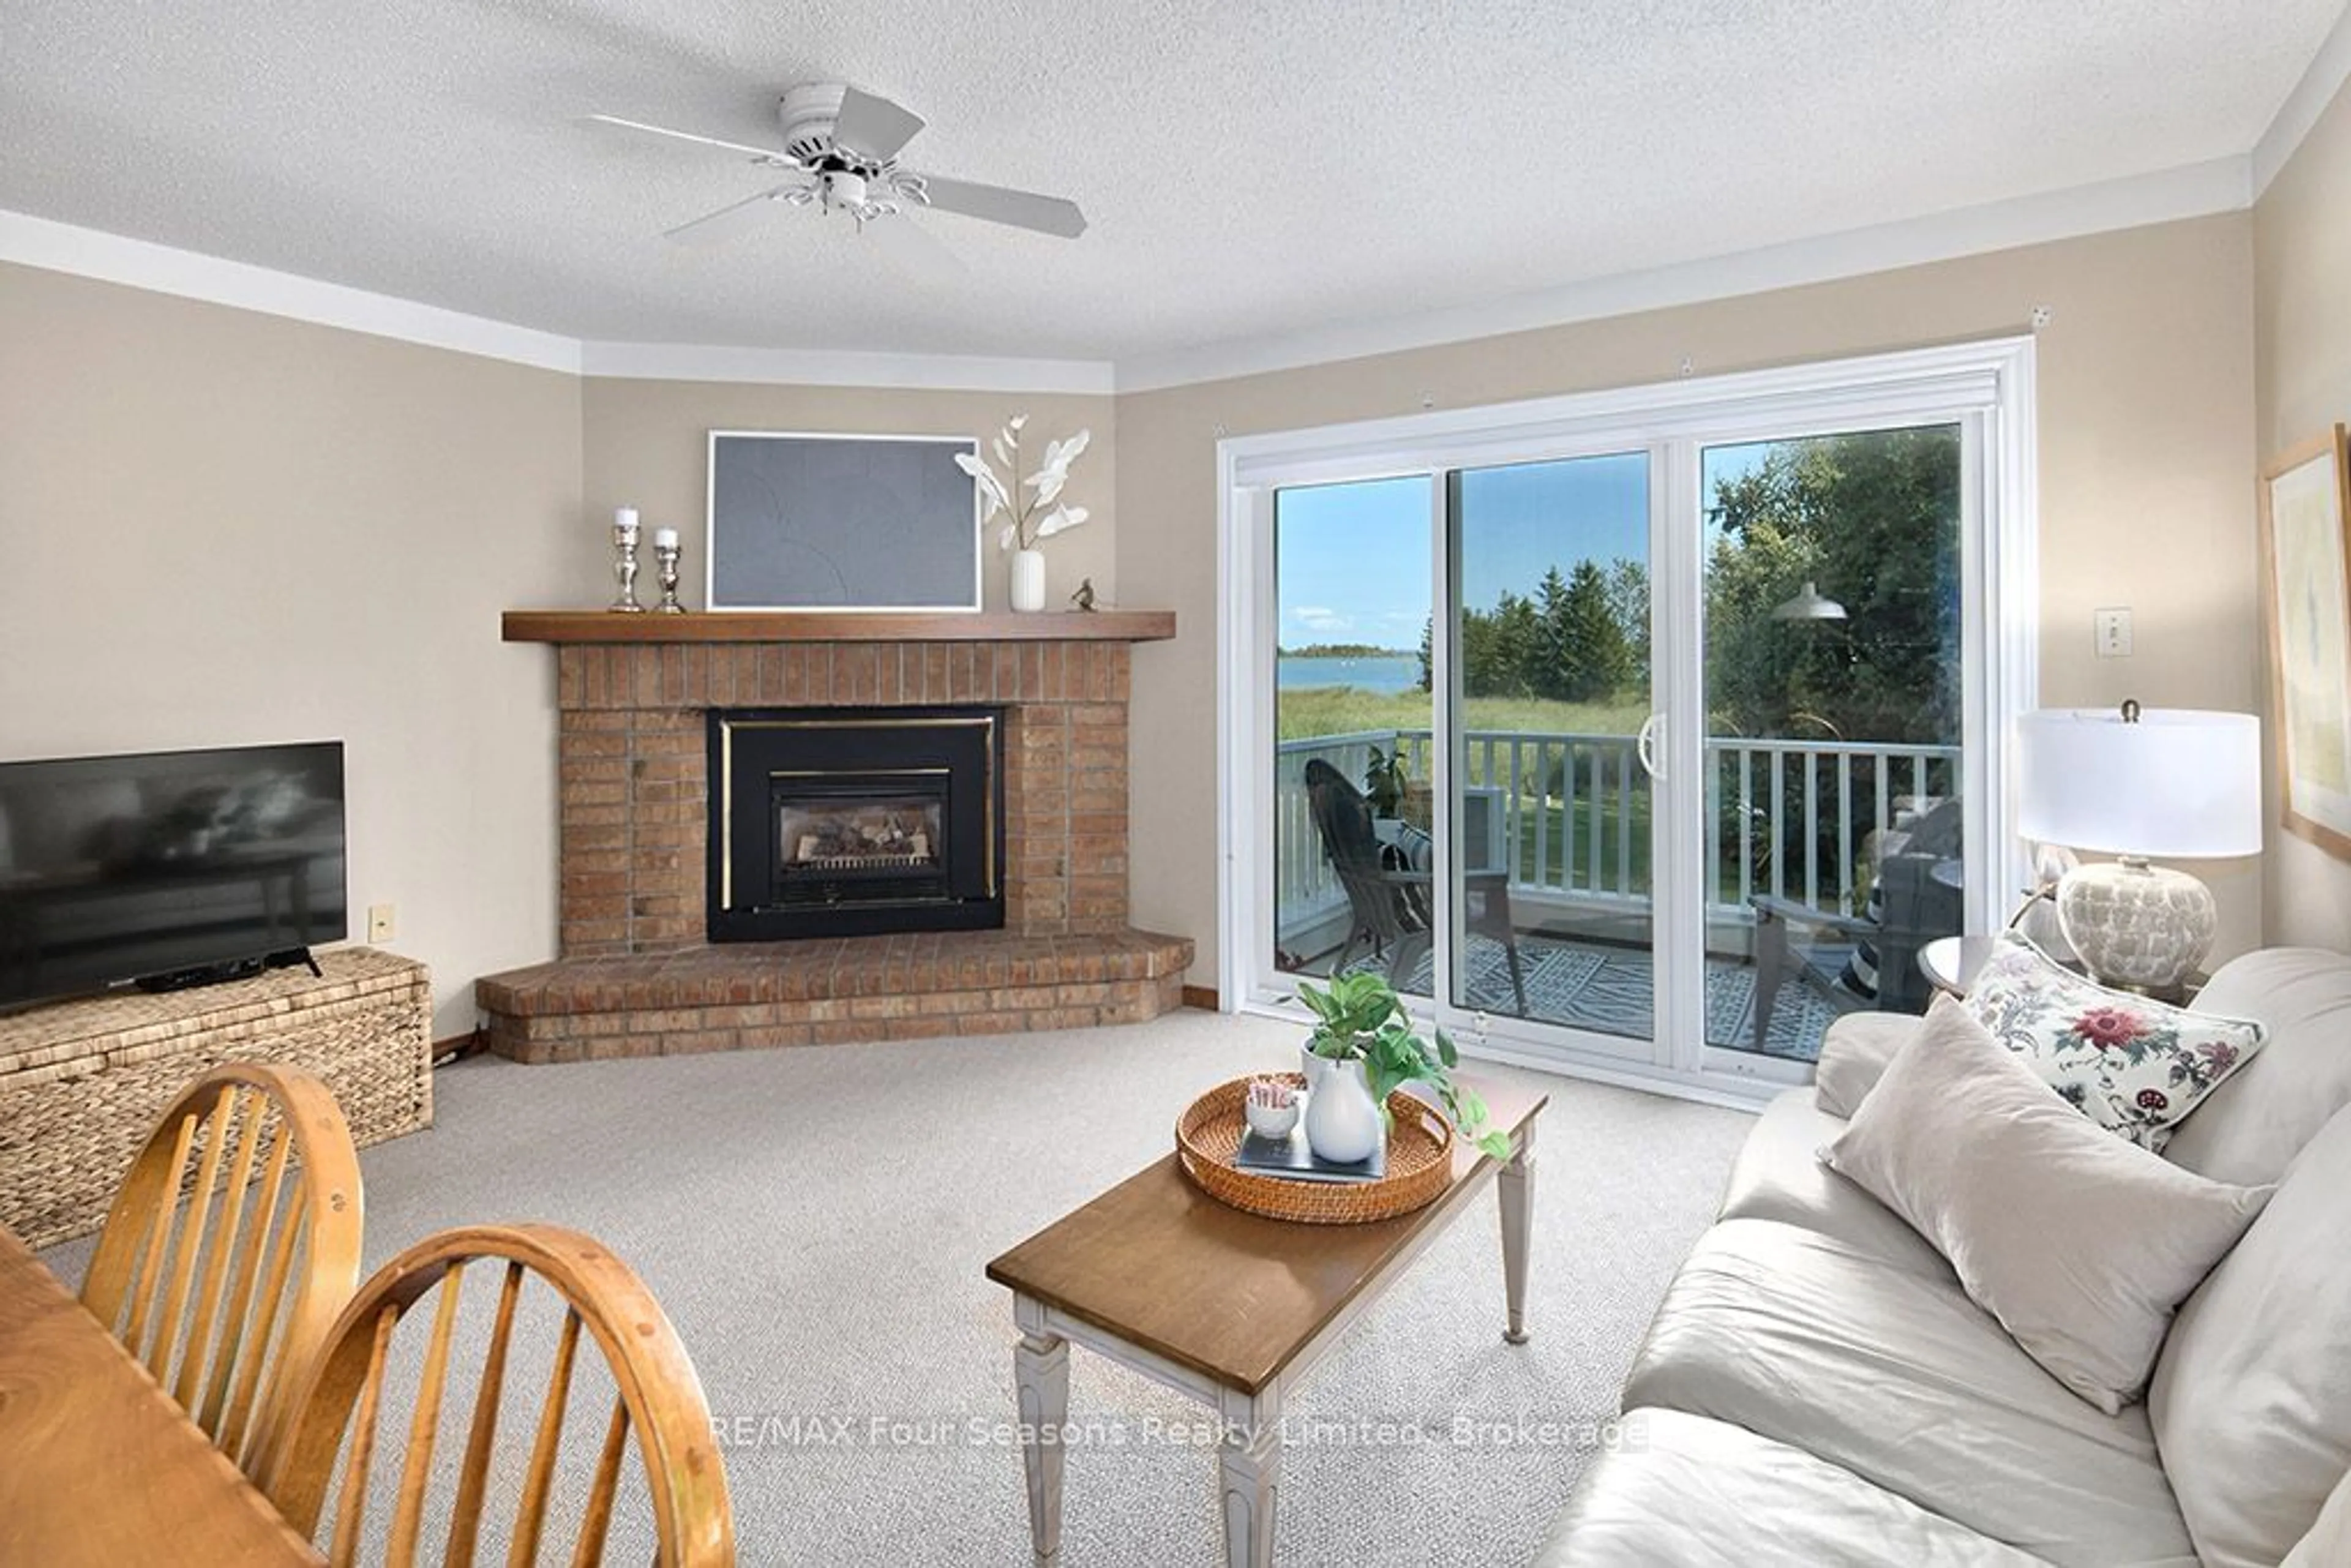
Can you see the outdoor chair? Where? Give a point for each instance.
(1389, 906)
(1869, 960)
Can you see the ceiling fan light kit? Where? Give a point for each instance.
(841, 148)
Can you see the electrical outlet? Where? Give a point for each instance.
(378, 922)
(2112, 633)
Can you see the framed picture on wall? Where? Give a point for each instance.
(2304, 495)
(821, 521)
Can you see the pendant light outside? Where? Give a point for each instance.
(1809, 605)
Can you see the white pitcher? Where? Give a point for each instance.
(1343, 1120)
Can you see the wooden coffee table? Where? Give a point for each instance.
(1227, 1307)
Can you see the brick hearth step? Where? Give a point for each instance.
(753, 996)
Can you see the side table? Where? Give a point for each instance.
(1950, 964)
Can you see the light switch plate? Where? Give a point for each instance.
(2112, 628)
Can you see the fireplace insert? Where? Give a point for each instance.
(853, 821)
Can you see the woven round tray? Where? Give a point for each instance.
(1420, 1162)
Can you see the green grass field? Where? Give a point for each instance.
(1342, 710)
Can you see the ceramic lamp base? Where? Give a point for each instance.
(2131, 924)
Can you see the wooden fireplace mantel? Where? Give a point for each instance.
(849, 626)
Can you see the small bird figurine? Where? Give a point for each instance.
(1084, 597)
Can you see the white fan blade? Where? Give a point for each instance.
(872, 127)
(996, 204)
(914, 251)
(765, 154)
(727, 221)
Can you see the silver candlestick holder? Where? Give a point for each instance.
(666, 571)
(624, 566)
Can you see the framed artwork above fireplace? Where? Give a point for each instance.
(802, 520)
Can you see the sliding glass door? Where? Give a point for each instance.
(1654, 742)
(1351, 721)
(1834, 647)
(1548, 608)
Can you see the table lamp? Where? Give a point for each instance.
(2138, 783)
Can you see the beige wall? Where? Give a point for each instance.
(222, 527)
(2302, 317)
(2146, 440)
(645, 446)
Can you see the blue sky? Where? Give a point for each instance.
(1353, 561)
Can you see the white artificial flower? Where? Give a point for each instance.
(1042, 516)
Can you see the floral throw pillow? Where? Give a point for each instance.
(2132, 1065)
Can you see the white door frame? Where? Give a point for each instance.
(1987, 387)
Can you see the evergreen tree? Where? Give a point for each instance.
(1628, 602)
(1595, 663)
(1556, 659)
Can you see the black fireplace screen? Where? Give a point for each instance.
(836, 821)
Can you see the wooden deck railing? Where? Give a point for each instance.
(1789, 817)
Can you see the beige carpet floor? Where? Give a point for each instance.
(816, 1222)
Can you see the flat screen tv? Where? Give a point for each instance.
(167, 867)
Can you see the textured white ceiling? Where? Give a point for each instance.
(1249, 169)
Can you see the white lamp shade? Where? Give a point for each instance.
(2180, 783)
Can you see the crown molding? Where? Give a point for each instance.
(140, 263)
(819, 367)
(2224, 184)
(2328, 69)
(2193, 189)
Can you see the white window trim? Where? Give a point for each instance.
(1988, 386)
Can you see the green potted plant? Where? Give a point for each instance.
(1364, 1048)
(1384, 782)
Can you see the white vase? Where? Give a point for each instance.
(1027, 581)
(1343, 1120)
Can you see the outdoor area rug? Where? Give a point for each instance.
(1611, 989)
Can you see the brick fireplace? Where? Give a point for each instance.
(635, 975)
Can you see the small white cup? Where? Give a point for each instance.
(1273, 1121)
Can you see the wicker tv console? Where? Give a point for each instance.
(82, 1081)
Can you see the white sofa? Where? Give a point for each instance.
(1818, 1389)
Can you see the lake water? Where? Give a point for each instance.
(1395, 673)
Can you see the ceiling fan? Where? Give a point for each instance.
(841, 150)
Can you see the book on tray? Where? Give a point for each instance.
(1293, 1157)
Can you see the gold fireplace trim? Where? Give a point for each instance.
(727, 727)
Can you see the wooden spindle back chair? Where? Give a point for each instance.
(657, 1398)
(232, 1245)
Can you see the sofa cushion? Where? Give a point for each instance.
(2133, 1066)
(1680, 1488)
(2250, 1127)
(1898, 1376)
(2081, 1244)
(1779, 1176)
(2252, 1397)
(1854, 1052)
